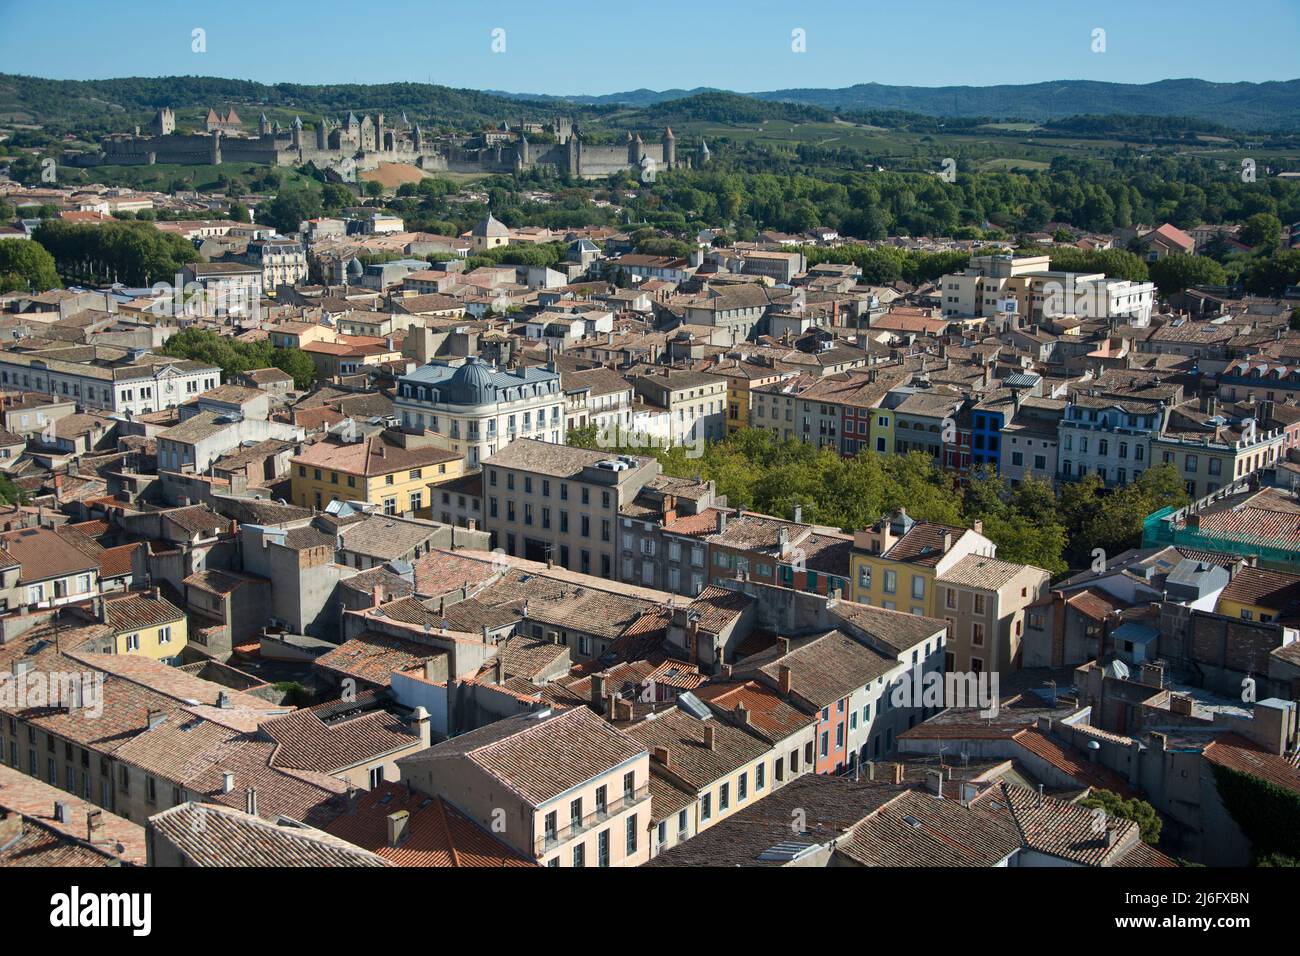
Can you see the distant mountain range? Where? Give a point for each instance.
(1272, 105)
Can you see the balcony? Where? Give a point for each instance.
(575, 828)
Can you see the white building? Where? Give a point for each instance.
(477, 410)
(114, 380)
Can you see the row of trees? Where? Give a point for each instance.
(134, 253)
(1031, 523)
(234, 357)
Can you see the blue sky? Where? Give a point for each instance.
(583, 46)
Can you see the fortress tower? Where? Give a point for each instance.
(164, 122)
(670, 148)
(322, 134)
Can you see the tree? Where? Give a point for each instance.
(26, 267)
(1139, 811)
(1178, 272)
(288, 210)
(298, 364)
(1261, 229)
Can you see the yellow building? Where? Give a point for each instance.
(742, 376)
(1257, 594)
(145, 624)
(894, 564)
(393, 470)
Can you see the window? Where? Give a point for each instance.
(706, 807)
(602, 848)
(724, 796)
(549, 826)
(580, 855)
(891, 582)
(575, 812)
(602, 800)
(918, 586)
(977, 634)
(742, 788)
(631, 834)
(979, 604)
(629, 785)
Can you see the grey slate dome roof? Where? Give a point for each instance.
(472, 384)
(354, 267)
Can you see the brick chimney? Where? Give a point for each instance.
(1180, 704)
(598, 693)
(250, 800)
(664, 756)
(783, 680)
(710, 737)
(742, 715)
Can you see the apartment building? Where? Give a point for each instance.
(1212, 447)
(1026, 289)
(282, 261)
(846, 677)
(743, 376)
(590, 806)
(41, 569)
(552, 502)
(695, 403)
(477, 410)
(895, 563)
(984, 601)
(396, 471)
(662, 534)
(108, 379)
(722, 768)
(1110, 437)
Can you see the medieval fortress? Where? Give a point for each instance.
(359, 144)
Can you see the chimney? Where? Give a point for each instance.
(741, 714)
(250, 801)
(798, 514)
(710, 737)
(783, 680)
(898, 773)
(11, 826)
(94, 820)
(398, 825)
(598, 693)
(377, 595)
(722, 521)
(61, 812)
(500, 669)
(664, 756)
(227, 782)
(154, 717)
(354, 797)
(934, 782)
(1180, 704)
